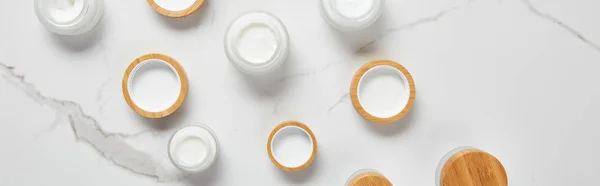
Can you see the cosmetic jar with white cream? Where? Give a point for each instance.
(351, 15)
(193, 148)
(256, 43)
(69, 17)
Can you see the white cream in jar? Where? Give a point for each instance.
(69, 17)
(351, 15)
(193, 148)
(256, 43)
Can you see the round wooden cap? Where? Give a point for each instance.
(303, 127)
(369, 179)
(181, 13)
(182, 92)
(473, 167)
(354, 91)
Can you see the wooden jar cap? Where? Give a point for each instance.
(354, 86)
(473, 167)
(307, 131)
(369, 179)
(180, 13)
(182, 80)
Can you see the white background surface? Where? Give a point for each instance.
(519, 81)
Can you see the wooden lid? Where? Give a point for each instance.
(182, 79)
(354, 91)
(369, 179)
(303, 127)
(181, 13)
(473, 167)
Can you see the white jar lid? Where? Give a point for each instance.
(154, 85)
(292, 146)
(379, 106)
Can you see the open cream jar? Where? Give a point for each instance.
(351, 15)
(69, 17)
(256, 43)
(154, 85)
(382, 91)
(193, 148)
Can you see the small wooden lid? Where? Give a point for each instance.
(473, 167)
(354, 91)
(303, 127)
(369, 179)
(181, 13)
(182, 80)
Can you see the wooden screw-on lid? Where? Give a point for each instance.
(182, 80)
(305, 129)
(354, 91)
(369, 179)
(473, 167)
(189, 10)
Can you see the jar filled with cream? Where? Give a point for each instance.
(193, 148)
(69, 17)
(256, 43)
(351, 15)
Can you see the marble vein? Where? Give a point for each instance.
(109, 145)
(368, 45)
(424, 20)
(100, 97)
(563, 25)
(342, 99)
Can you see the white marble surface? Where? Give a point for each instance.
(517, 78)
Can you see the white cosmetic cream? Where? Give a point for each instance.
(351, 15)
(69, 17)
(256, 43)
(193, 148)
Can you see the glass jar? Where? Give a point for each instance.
(193, 148)
(367, 177)
(351, 15)
(256, 43)
(69, 17)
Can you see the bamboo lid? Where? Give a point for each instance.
(176, 13)
(473, 167)
(369, 179)
(299, 127)
(130, 73)
(387, 65)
